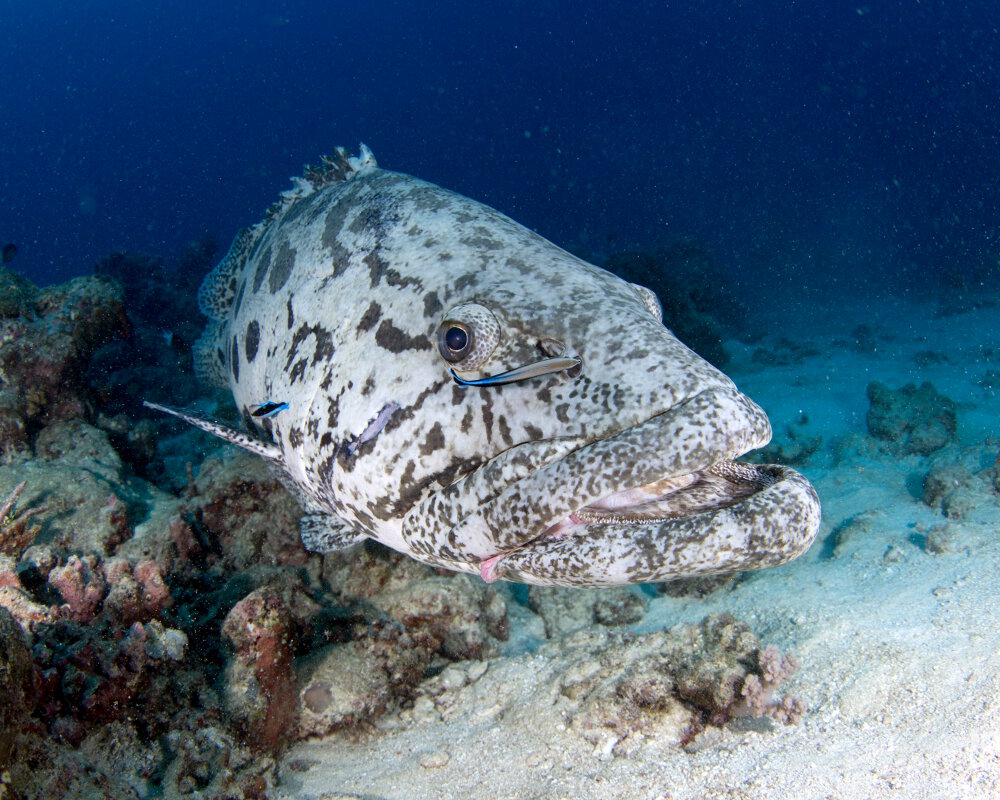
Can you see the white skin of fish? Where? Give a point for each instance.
(334, 305)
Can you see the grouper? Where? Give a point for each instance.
(421, 370)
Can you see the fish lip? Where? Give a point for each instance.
(774, 521)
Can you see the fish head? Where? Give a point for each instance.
(619, 469)
(448, 382)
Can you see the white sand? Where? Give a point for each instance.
(899, 653)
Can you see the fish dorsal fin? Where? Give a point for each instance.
(269, 451)
(337, 168)
(217, 291)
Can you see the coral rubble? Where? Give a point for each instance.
(688, 677)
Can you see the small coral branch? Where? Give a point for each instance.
(15, 531)
(758, 689)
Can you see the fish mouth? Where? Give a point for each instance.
(662, 500)
(719, 486)
(732, 517)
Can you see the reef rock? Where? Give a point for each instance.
(685, 679)
(464, 617)
(352, 684)
(958, 485)
(47, 337)
(16, 685)
(911, 420)
(566, 610)
(246, 512)
(85, 500)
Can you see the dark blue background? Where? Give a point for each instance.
(816, 147)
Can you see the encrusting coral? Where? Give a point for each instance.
(687, 678)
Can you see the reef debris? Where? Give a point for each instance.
(688, 678)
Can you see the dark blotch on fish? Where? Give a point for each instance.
(391, 338)
(284, 263)
(372, 315)
(253, 340)
(235, 359)
(262, 267)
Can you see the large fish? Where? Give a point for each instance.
(424, 371)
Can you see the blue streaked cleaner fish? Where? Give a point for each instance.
(268, 409)
(460, 389)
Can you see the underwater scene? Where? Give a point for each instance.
(523, 400)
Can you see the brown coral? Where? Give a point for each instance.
(81, 584)
(260, 679)
(136, 594)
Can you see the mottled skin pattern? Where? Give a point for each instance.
(333, 304)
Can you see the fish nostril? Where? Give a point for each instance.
(551, 347)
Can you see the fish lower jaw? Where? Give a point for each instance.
(771, 525)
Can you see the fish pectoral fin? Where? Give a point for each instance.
(326, 533)
(269, 451)
(320, 530)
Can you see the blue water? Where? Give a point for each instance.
(816, 147)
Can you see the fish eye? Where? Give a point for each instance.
(455, 340)
(468, 336)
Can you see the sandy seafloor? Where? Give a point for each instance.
(899, 646)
